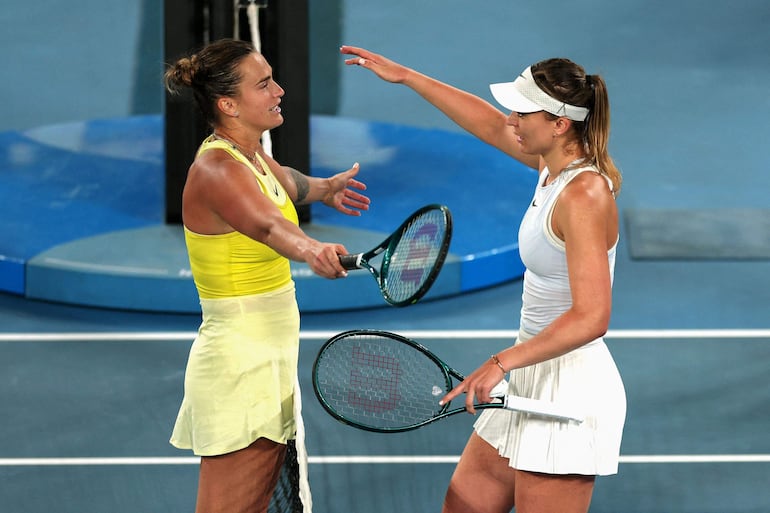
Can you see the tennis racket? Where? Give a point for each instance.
(412, 256)
(383, 382)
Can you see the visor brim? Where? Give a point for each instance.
(506, 94)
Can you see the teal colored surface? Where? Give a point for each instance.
(688, 83)
(84, 212)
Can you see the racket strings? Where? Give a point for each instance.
(411, 262)
(384, 384)
(377, 382)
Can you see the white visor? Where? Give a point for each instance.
(524, 96)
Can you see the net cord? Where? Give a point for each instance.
(252, 13)
(304, 484)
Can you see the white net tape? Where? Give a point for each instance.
(252, 13)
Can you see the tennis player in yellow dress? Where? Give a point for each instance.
(241, 231)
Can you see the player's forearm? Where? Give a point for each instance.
(470, 112)
(288, 240)
(568, 332)
(309, 189)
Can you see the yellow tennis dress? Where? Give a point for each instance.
(241, 372)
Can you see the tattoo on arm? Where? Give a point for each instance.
(303, 185)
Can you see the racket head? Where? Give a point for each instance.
(415, 255)
(380, 381)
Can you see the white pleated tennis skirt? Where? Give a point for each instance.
(586, 380)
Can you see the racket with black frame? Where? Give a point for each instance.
(383, 382)
(412, 256)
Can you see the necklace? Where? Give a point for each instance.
(572, 165)
(254, 159)
(251, 156)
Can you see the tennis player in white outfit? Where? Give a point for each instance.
(559, 124)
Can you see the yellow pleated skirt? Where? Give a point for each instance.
(241, 373)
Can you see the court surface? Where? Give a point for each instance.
(89, 396)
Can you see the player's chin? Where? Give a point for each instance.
(527, 150)
(277, 121)
(276, 118)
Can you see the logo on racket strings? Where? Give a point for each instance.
(420, 252)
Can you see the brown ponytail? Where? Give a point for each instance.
(597, 132)
(568, 82)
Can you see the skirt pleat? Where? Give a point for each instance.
(586, 380)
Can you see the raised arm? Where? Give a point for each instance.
(474, 114)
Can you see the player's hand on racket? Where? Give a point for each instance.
(478, 385)
(342, 196)
(384, 68)
(324, 259)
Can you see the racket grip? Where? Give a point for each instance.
(350, 262)
(537, 407)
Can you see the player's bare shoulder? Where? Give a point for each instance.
(589, 188)
(217, 168)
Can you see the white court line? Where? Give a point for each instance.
(160, 336)
(417, 334)
(354, 460)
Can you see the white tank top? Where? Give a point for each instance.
(546, 283)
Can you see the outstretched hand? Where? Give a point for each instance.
(384, 68)
(341, 195)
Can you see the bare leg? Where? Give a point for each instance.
(242, 481)
(482, 482)
(545, 493)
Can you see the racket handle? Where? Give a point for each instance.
(350, 262)
(525, 404)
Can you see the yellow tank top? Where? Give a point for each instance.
(233, 264)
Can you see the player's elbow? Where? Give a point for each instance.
(595, 321)
(599, 324)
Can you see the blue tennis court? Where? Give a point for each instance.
(89, 394)
(92, 400)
